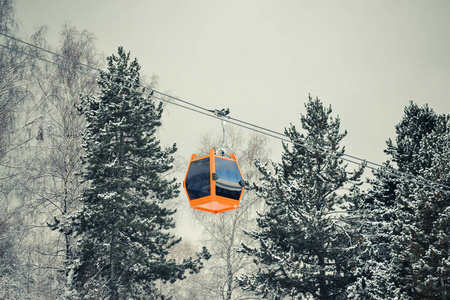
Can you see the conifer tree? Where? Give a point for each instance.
(421, 251)
(404, 225)
(371, 215)
(303, 244)
(123, 226)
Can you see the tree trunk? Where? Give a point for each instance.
(114, 293)
(322, 283)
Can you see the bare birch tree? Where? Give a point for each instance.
(16, 73)
(56, 187)
(41, 150)
(223, 232)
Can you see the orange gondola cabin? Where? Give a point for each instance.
(214, 183)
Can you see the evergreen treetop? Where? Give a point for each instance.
(404, 226)
(123, 225)
(303, 243)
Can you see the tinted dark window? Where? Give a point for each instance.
(198, 179)
(229, 176)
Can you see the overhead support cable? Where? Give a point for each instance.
(164, 97)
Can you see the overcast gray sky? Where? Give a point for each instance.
(262, 58)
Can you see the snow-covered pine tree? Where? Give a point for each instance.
(434, 278)
(303, 244)
(421, 251)
(404, 226)
(370, 215)
(123, 226)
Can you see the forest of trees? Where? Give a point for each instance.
(88, 193)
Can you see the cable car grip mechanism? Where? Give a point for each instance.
(221, 114)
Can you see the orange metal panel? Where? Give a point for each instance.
(212, 169)
(213, 203)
